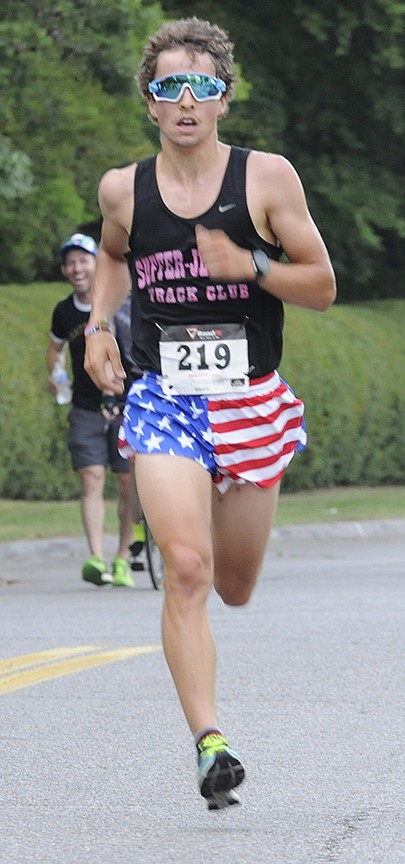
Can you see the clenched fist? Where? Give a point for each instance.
(222, 257)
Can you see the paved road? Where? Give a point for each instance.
(96, 763)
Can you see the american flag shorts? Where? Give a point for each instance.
(250, 437)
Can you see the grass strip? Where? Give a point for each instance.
(33, 520)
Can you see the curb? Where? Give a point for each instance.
(365, 530)
(69, 546)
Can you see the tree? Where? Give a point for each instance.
(327, 92)
(325, 86)
(67, 113)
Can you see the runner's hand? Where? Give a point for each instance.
(102, 362)
(222, 257)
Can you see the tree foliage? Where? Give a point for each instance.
(327, 92)
(325, 85)
(67, 113)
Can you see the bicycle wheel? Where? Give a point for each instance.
(155, 560)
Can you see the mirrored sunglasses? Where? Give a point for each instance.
(171, 87)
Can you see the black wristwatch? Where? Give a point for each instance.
(261, 263)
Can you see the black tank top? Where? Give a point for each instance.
(170, 282)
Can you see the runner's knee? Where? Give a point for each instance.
(235, 587)
(187, 572)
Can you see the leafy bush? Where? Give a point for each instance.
(349, 368)
(348, 365)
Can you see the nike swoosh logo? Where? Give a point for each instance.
(224, 207)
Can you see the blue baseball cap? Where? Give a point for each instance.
(79, 241)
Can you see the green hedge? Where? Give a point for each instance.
(347, 364)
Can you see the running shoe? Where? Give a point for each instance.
(95, 570)
(121, 575)
(220, 800)
(219, 771)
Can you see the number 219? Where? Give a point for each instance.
(222, 356)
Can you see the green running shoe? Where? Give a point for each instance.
(121, 574)
(95, 570)
(219, 771)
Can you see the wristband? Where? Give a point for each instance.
(96, 327)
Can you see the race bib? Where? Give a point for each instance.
(204, 359)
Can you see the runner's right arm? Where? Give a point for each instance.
(112, 281)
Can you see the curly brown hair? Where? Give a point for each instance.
(197, 37)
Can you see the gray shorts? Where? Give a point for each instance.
(93, 441)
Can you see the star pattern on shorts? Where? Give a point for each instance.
(195, 411)
(138, 387)
(182, 419)
(164, 423)
(169, 397)
(170, 423)
(148, 406)
(185, 441)
(207, 435)
(139, 429)
(153, 442)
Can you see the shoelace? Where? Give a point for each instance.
(212, 742)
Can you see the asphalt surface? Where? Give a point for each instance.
(97, 765)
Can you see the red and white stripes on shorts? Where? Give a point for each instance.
(247, 437)
(256, 435)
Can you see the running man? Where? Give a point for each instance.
(199, 229)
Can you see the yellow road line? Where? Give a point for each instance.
(69, 667)
(26, 660)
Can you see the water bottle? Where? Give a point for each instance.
(61, 379)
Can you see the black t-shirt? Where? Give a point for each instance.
(68, 322)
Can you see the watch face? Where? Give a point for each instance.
(261, 262)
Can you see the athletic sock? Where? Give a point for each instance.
(139, 532)
(206, 730)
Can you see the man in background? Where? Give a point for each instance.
(93, 426)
